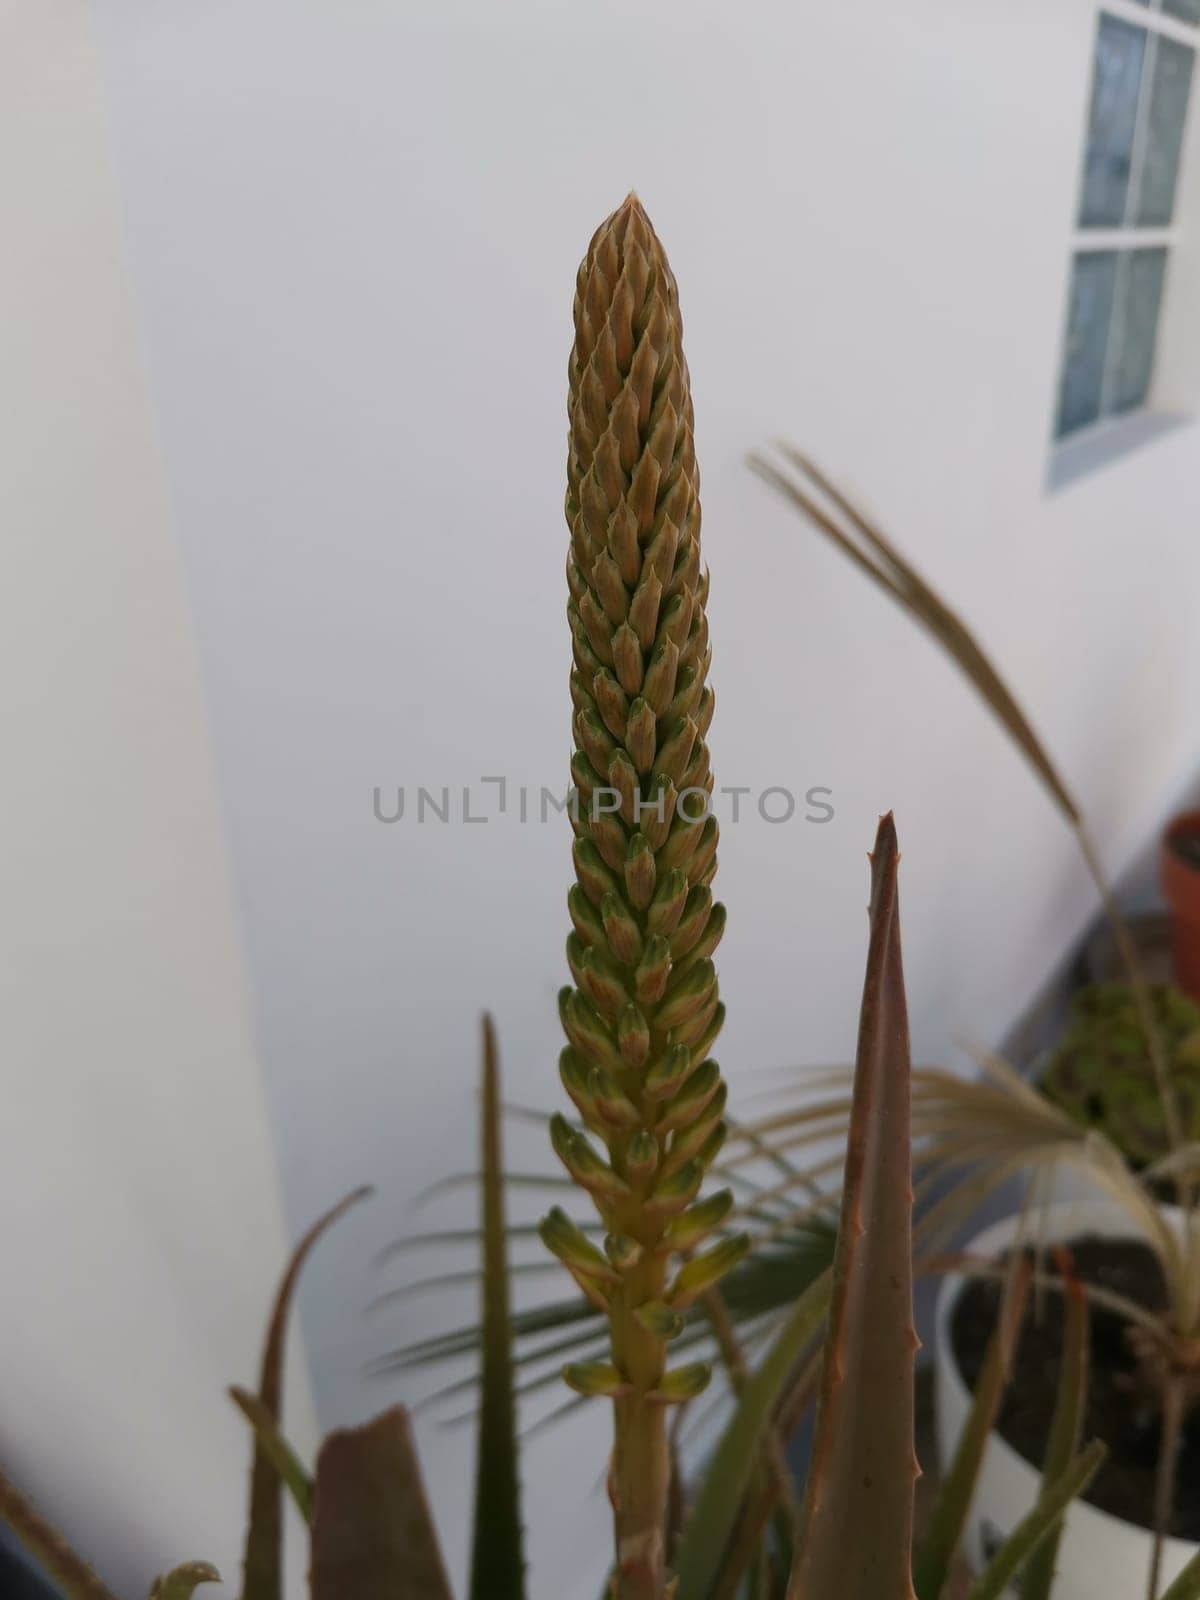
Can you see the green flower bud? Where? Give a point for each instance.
(676, 1190)
(588, 1033)
(594, 736)
(582, 1162)
(594, 1378)
(687, 996)
(675, 754)
(611, 1102)
(695, 1276)
(653, 971)
(704, 1044)
(696, 1026)
(681, 844)
(622, 776)
(639, 871)
(610, 838)
(594, 877)
(676, 619)
(657, 811)
(668, 1072)
(660, 553)
(641, 735)
(585, 917)
(627, 659)
(572, 1247)
(685, 1383)
(692, 1140)
(621, 931)
(687, 1105)
(641, 1156)
(699, 1220)
(574, 1072)
(687, 694)
(611, 701)
(660, 1320)
(667, 906)
(659, 687)
(633, 1037)
(624, 543)
(644, 609)
(693, 921)
(585, 778)
(622, 1251)
(598, 979)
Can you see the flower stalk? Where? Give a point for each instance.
(643, 1011)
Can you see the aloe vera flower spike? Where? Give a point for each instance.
(643, 1011)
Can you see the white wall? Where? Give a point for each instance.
(142, 1230)
(354, 230)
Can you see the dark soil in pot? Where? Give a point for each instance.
(1116, 1412)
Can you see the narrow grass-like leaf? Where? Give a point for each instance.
(931, 1564)
(1038, 1525)
(263, 1564)
(1066, 1426)
(833, 514)
(882, 562)
(497, 1563)
(43, 1542)
(863, 1465)
(373, 1536)
(284, 1459)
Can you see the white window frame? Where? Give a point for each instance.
(1077, 451)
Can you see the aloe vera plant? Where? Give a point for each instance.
(640, 1022)
(371, 1532)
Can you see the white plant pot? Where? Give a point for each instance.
(1098, 1554)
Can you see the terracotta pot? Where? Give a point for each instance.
(1181, 885)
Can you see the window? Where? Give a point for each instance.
(1141, 79)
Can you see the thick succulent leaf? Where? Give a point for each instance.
(497, 1563)
(863, 1462)
(284, 1459)
(708, 1528)
(1041, 1522)
(373, 1536)
(263, 1564)
(183, 1582)
(47, 1547)
(1037, 1582)
(931, 1564)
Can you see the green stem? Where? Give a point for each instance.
(641, 1473)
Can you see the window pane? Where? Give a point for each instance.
(1092, 283)
(1139, 296)
(1172, 79)
(1189, 10)
(1118, 70)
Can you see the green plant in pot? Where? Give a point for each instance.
(847, 1341)
(1100, 1074)
(1117, 1102)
